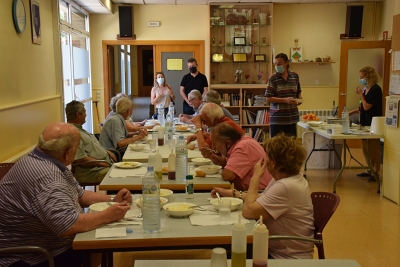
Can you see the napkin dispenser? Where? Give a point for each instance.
(377, 125)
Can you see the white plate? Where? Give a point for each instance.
(128, 165)
(235, 202)
(179, 209)
(163, 200)
(314, 123)
(100, 206)
(201, 161)
(165, 193)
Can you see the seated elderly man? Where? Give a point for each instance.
(240, 153)
(41, 202)
(195, 100)
(210, 115)
(88, 170)
(213, 96)
(130, 125)
(114, 134)
(285, 204)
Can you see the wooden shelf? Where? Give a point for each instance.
(319, 63)
(255, 125)
(255, 107)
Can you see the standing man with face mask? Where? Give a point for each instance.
(192, 80)
(283, 89)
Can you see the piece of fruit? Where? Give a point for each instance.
(200, 173)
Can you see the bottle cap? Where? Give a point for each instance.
(172, 153)
(150, 168)
(189, 177)
(260, 225)
(181, 137)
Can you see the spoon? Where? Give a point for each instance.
(218, 196)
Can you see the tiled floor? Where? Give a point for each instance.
(365, 227)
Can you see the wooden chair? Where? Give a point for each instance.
(4, 168)
(325, 204)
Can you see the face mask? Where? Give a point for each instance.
(193, 69)
(280, 69)
(160, 80)
(363, 81)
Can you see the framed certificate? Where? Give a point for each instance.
(260, 58)
(239, 41)
(239, 57)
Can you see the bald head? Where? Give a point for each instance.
(58, 138)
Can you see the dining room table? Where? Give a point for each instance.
(249, 263)
(201, 230)
(355, 133)
(164, 150)
(131, 179)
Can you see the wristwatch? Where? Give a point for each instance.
(112, 198)
(198, 129)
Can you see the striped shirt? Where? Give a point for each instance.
(38, 203)
(282, 113)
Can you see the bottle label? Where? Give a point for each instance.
(181, 151)
(190, 189)
(149, 189)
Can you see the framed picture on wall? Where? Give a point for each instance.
(36, 24)
(260, 58)
(239, 57)
(239, 41)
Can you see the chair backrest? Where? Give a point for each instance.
(325, 204)
(4, 168)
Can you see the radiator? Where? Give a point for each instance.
(322, 114)
(16, 157)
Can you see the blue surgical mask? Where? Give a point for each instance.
(280, 69)
(160, 81)
(363, 81)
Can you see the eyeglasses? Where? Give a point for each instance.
(190, 100)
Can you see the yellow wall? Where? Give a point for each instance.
(30, 82)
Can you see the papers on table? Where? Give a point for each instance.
(210, 217)
(110, 232)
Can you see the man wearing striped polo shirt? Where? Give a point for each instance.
(41, 202)
(283, 89)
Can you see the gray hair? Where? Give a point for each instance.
(213, 96)
(72, 108)
(58, 146)
(212, 111)
(123, 104)
(195, 94)
(225, 131)
(114, 99)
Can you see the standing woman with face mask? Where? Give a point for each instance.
(161, 93)
(370, 106)
(283, 89)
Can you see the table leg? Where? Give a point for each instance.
(343, 165)
(309, 155)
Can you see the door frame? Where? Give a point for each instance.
(344, 56)
(197, 47)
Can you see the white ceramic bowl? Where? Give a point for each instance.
(209, 169)
(235, 202)
(97, 207)
(201, 161)
(166, 193)
(163, 201)
(179, 209)
(314, 123)
(137, 147)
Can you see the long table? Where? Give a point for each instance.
(143, 155)
(271, 263)
(176, 233)
(117, 178)
(344, 137)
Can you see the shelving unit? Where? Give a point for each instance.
(240, 43)
(253, 119)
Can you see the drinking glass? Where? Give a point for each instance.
(152, 143)
(224, 207)
(218, 258)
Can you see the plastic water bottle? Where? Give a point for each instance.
(169, 123)
(181, 152)
(171, 113)
(260, 244)
(151, 201)
(345, 121)
(161, 116)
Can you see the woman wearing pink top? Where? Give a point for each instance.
(285, 204)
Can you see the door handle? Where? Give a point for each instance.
(343, 94)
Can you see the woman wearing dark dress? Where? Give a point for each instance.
(370, 106)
